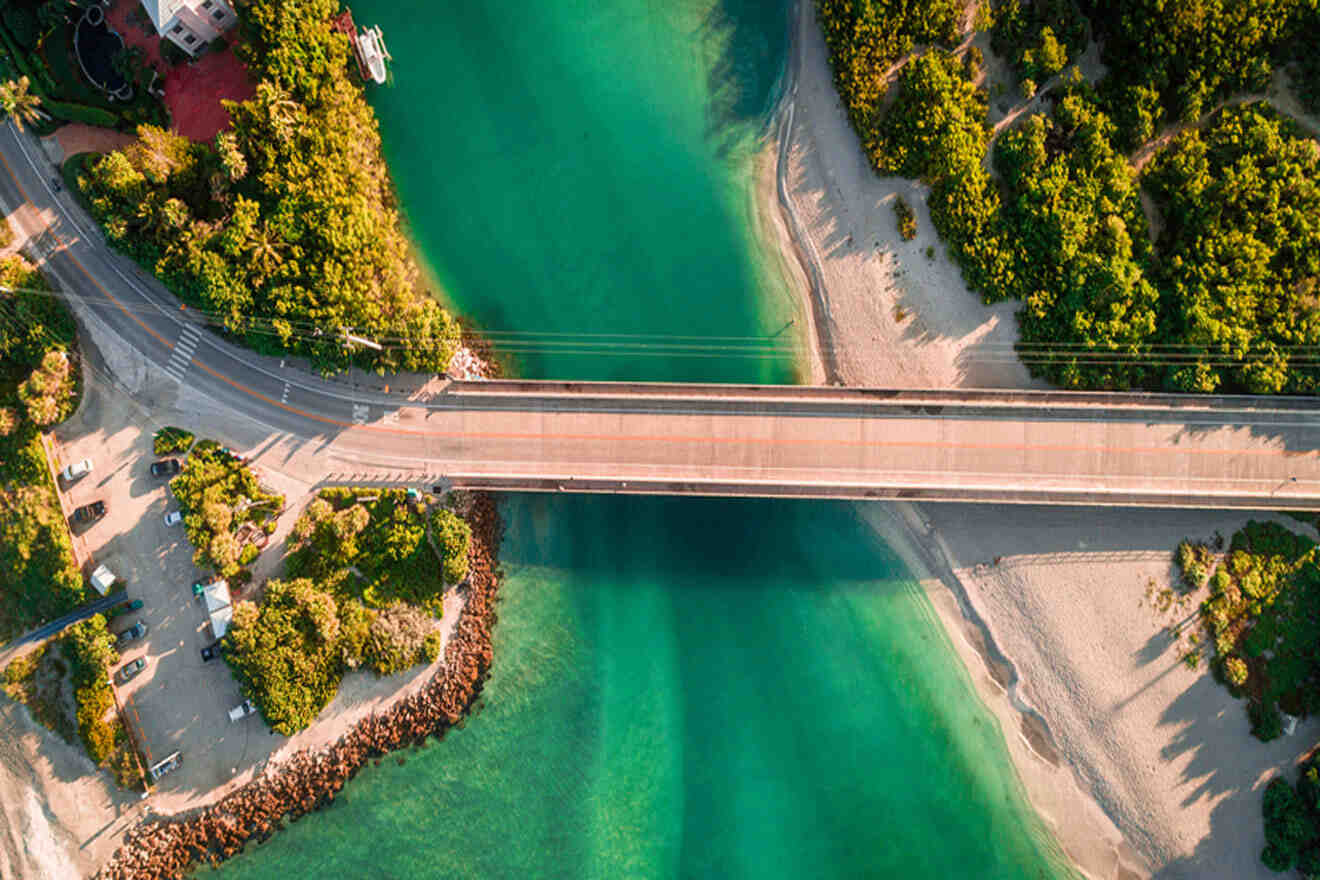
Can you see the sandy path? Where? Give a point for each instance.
(58, 816)
(1139, 765)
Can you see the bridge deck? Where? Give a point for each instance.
(1027, 447)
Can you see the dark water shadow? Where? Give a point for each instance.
(749, 42)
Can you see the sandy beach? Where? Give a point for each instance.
(1140, 765)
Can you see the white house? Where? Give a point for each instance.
(191, 24)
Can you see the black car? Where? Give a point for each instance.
(166, 467)
(132, 634)
(89, 512)
(211, 651)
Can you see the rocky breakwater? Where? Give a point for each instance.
(310, 779)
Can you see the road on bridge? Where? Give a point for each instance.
(1046, 447)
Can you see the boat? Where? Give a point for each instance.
(372, 53)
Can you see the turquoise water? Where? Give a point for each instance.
(725, 689)
(577, 174)
(694, 688)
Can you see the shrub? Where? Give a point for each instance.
(248, 554)
(907, 221)
(168, 440)
(71, 112)
(1235, 671)
(1266, 721)
(171, 54)
(1276, 859)
(210, 486)
(397, 639)
(286, 653)
(454, 538)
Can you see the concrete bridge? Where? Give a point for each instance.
(827, 442)
(1025, 447)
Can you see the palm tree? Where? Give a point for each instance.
(18, 103)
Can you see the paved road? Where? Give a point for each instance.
(40, 634)
(1045, 447)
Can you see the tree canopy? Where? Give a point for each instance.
(285, 229)
(1225, 300)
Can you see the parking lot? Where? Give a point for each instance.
(178, 702)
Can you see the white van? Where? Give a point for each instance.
(242, 710)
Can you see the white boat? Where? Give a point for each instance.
(371, 49)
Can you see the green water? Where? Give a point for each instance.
(577, 174)
(694, 688)
(700, 689)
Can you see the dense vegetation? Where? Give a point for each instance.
(382, 535)
(1225, 299)
(284, 229)
(38, 386)
(36, 37)
(368, 569)
(1240, 201)
(218, 494)
(89, 648)
(1263, 616)
(1292, 822)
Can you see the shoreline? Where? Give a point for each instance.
(1136, 764)
(1095, 847)
(310, 779)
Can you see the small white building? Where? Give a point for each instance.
(191, 24)
(219, 607)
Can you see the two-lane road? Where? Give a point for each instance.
(1031, 447)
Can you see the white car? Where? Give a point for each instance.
(173, 518)
(77, 470)
(242, 710)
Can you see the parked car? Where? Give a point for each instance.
(166, 467)
(125, 608)
(89, 512)
(242, 710)
(77, 470)
(132, 634)
(211, 651)
(165, 765)
(129, 671)
(174, 517)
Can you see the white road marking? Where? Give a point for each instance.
(181, 358)
(360, 412)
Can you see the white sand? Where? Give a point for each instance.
(1141, 766)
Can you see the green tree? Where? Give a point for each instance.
(18, 103)
(286, 654)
